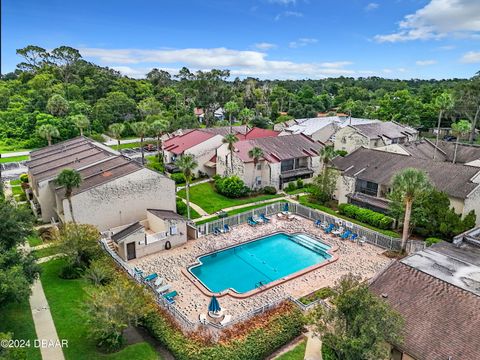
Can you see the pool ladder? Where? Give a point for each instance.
(260, 284)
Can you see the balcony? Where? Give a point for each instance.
(296, 172)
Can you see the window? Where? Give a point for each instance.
(173, 229)
(366, 187)
(258, 181)
(259, 166)
(287, 165)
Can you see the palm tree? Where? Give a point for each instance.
(245, 115)
(160, 127)
(48, 132)
(408, 186)
(460, 128)
(69, 179)
(444, 102)
(187, 164)
(81, 122)
(231, 108)
(116, 131)
(256, 154)
(141, 129)
(327, 154)
(230, 139)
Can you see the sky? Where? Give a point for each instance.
(268, 39)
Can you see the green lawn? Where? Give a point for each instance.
(15, 182)
(297, 353)
(14, 158)
(17, 190)
(304, 201)
(47, 251)
(34, 240)
(209, 200)
(237, 211)
(66, 299)
(17, 318)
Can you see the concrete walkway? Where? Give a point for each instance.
(194, 184)
(195, 207)
(44, 325)
(15, 153)
(313, 350)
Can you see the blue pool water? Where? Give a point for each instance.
(267, 259)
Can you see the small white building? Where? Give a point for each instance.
(160, 230)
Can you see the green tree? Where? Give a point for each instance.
(69, 179)
(255, 154)
(187, 164)
(48, 132)
(141, 129)
(79, 242)
(116, 130)
(231, 109)
(34, 56)
(149, 106)
(444, 103)
(57, 106)
(115, 107)
(408, 186)
(467, 97)
(113, 308)
(359, 325)
(81, 122)
(460, 128)
(159, 128)
(245, 115)
(230, 139)
(327, 154)
(323, 186)
(18, 269)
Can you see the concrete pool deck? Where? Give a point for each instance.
(364, 261)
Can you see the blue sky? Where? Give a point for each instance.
(263, 38)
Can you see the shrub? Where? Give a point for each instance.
(154, 164)
(232, 187)
(269, 190)
(341, 153)
(366, 216)
(179, 178)
(290, 187)
(431, 240)
(24, 178)
(181, 207)
(300, 184)
(70, 271)
(100, 272)
(328, 353)
(254, 339)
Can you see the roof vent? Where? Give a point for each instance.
(384, 295)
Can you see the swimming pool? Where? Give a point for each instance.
(254, 264)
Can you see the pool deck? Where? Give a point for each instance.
(193, 300)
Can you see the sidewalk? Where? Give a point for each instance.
(44, 325)
(314, 347)
(195, 207)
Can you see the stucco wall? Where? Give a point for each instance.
(204, 151)
(473, 203)
(46, 198)
(393, 148)
(349, 139)
(123, 200)
(345, 185)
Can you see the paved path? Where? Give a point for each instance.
(110, 141)
(16, 153)
(194, 184)
(314, 347)
(44, 325)
(197, 208)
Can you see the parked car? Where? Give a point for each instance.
(149, 147)
(449, 138)
(172, 168)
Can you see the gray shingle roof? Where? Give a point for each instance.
(441, 320)
(130, 229)
(166, 214)
(380, 166)
(465, 152)
(388, 129)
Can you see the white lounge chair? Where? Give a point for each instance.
(338, 231)
(362, 240)
(158, 282)
(216, 314)
(226, 320)
(163, 289)
(203, 319)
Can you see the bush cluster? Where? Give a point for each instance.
(24, 178)
(181, 207)
(254, 339)
(231, 186)
(154, 164)
(366, 216)
(179, 178)
(269, 190)
(431, 240)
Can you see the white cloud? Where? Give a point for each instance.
(471, 57)
(288, 14)
(425, 62)
(265, 46)
(136, 62)
(446, 47)
(371, 6)
(438, 19)
(302, 42)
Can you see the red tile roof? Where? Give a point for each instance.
(178, 144)
(257, 133)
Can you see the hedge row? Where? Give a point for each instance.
(254, 339)
(366, 216)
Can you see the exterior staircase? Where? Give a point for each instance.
(110, 244)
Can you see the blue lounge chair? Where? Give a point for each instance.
(216, 231)
(226, 228)
(264, 218)
(170, 297)
(346, 234)
(317, 223)
(150, 277)
(329, 229)
(251, 222)
(353, 237)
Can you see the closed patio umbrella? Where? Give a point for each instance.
(214, 306)
(285, 208)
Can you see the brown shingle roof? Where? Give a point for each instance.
(424, 149)
(389, 129)
(465, 152)
(58, 147)
(166, 214)
(130, 229)
(441, 320)
(224, 130)
(380, 166)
